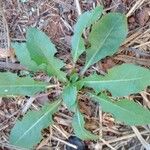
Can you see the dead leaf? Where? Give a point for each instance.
(91, 124)
(105, 65)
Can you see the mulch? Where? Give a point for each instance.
(57, 18)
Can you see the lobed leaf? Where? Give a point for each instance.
(69, 96)
(23, 56)
(84, 21)
(124, 110)
(79, 130)
(120, 81)
(27, 132)
(11, 84)
(42, 51)
(106, 37)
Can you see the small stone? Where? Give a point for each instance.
(77, 142)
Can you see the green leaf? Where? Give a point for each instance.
(79, 130)
(23, 56)
(70, 96)
(120, 81)
(11, 84)
(42, 50)
(27, 132)
(84, 21)
(124, 110)
(74, 77)
(106, 37)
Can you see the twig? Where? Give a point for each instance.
(134, 60)
(139, 52)
(124, 137)
(100, 122)
(5, 41)
(12, 66)
(145, 98)
(64, 142)
(27, 105)
(141, 139)
(31, 100)
(146, 43)
(135, 6)
(106, 143)
(78, 7)
(58, 129)
(2, 144)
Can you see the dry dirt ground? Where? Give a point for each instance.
(56, 18)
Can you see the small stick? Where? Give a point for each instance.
(31, 100)
(135, 6)
(58, 129)
(124, 137)
(143, 44)
(27, 105)
(12, 66)
(106, 143)
(100, 122)
(134, 60)
(141, 139)
(78, 7)
(2, 144)
(64, 142)
(145, 98)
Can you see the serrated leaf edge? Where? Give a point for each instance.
(115, 103)
(37, 122)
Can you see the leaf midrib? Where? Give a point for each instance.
(57, 72)
(20, 85)
(77, 47)
(98, 49)
(37, 122)
(110, 81)
(121, 108)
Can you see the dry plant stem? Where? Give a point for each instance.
(46, 141)
(78, 7)
(7, 52)
(64, 142)
(11, 147)
(145, 98)
(134, 60)
(58, 129)
(52, 86)
(135, 6)
(106, 143)
(31, 100)
(100, 122)
(139, 52)
(12, 66)
(144, 44)
(27, 105)
(7, 32)
(135, 36)
(124, 137)
(100, 2)
(141, 139)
